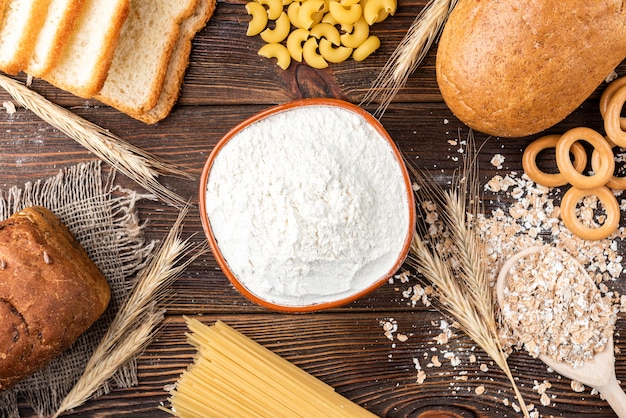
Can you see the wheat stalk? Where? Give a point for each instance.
(458, 271)
(137, 321)
(409, 54)
(135, 163)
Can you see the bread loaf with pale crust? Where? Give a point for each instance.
(50, 292)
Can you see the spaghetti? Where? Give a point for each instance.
(233, 376)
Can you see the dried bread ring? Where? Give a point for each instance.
(614, 183)
(570, 219)
(607, 95)
(612, 117)
(529, 161)
(595, 139)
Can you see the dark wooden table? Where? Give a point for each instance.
(227, 82)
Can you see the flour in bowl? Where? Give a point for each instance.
(309, 205)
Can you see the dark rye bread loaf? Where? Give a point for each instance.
(50, 292)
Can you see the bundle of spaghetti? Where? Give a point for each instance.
(233, 376)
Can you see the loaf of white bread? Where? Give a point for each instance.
(129, 54)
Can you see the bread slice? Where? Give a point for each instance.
(21, 23)
(86, 57)
(178, 63)
(143, 52)
(55, 30)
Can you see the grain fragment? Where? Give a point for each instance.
(577, 386)
(9, 107)
(497, 161)
(480, 390)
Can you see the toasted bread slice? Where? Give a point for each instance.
(143, 52)
(21, 23)
(87, 54)
(55, 30)
(178, 63)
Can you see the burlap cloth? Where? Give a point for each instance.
(104, 219)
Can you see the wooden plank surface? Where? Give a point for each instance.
(346, 347)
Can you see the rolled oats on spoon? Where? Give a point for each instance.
(555, 310)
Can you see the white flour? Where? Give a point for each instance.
(308, 206)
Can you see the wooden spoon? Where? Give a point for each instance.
(599, 372)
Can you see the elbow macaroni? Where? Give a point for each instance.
(311, 56)
(307, 11)
(278, 51)
(274, 8)
(316, 39)
(334, 54)
(259, 18)
(376, 11)
(280, 31)
(295, 40)
(345, 15)
(326, 31)
(366, 49)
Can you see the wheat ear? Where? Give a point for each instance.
(409, 54)
(138, 320)
(135, 163)
(458, 271)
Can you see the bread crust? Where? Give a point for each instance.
(50, 292)
(58, 76)
(20, 53)
(62, 32)
(114, 93)
(178, 63)
(513, 68)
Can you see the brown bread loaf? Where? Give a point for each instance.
(513, 68)
(50, 292)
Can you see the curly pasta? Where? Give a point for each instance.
(323, 30)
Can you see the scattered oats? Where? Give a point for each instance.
(390, 326)
(9, 107)
(46, 258)
(577, 386)
(417, 364)
(484, 368)
(402, 337)
(497, 161)
(434, 362)
(453, 142)
(446, 121)
(480, 390)
(442, 338)
(554, 310)
(421, 376)
(472, 358)
(516, 407)
(545, 399)
(505, 402)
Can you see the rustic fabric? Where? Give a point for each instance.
(103, 217)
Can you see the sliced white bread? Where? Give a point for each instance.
(55, 30)
(143, 52)
(21, 23)
(87, 54)
(178, 63)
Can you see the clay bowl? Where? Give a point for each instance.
(219, 242)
